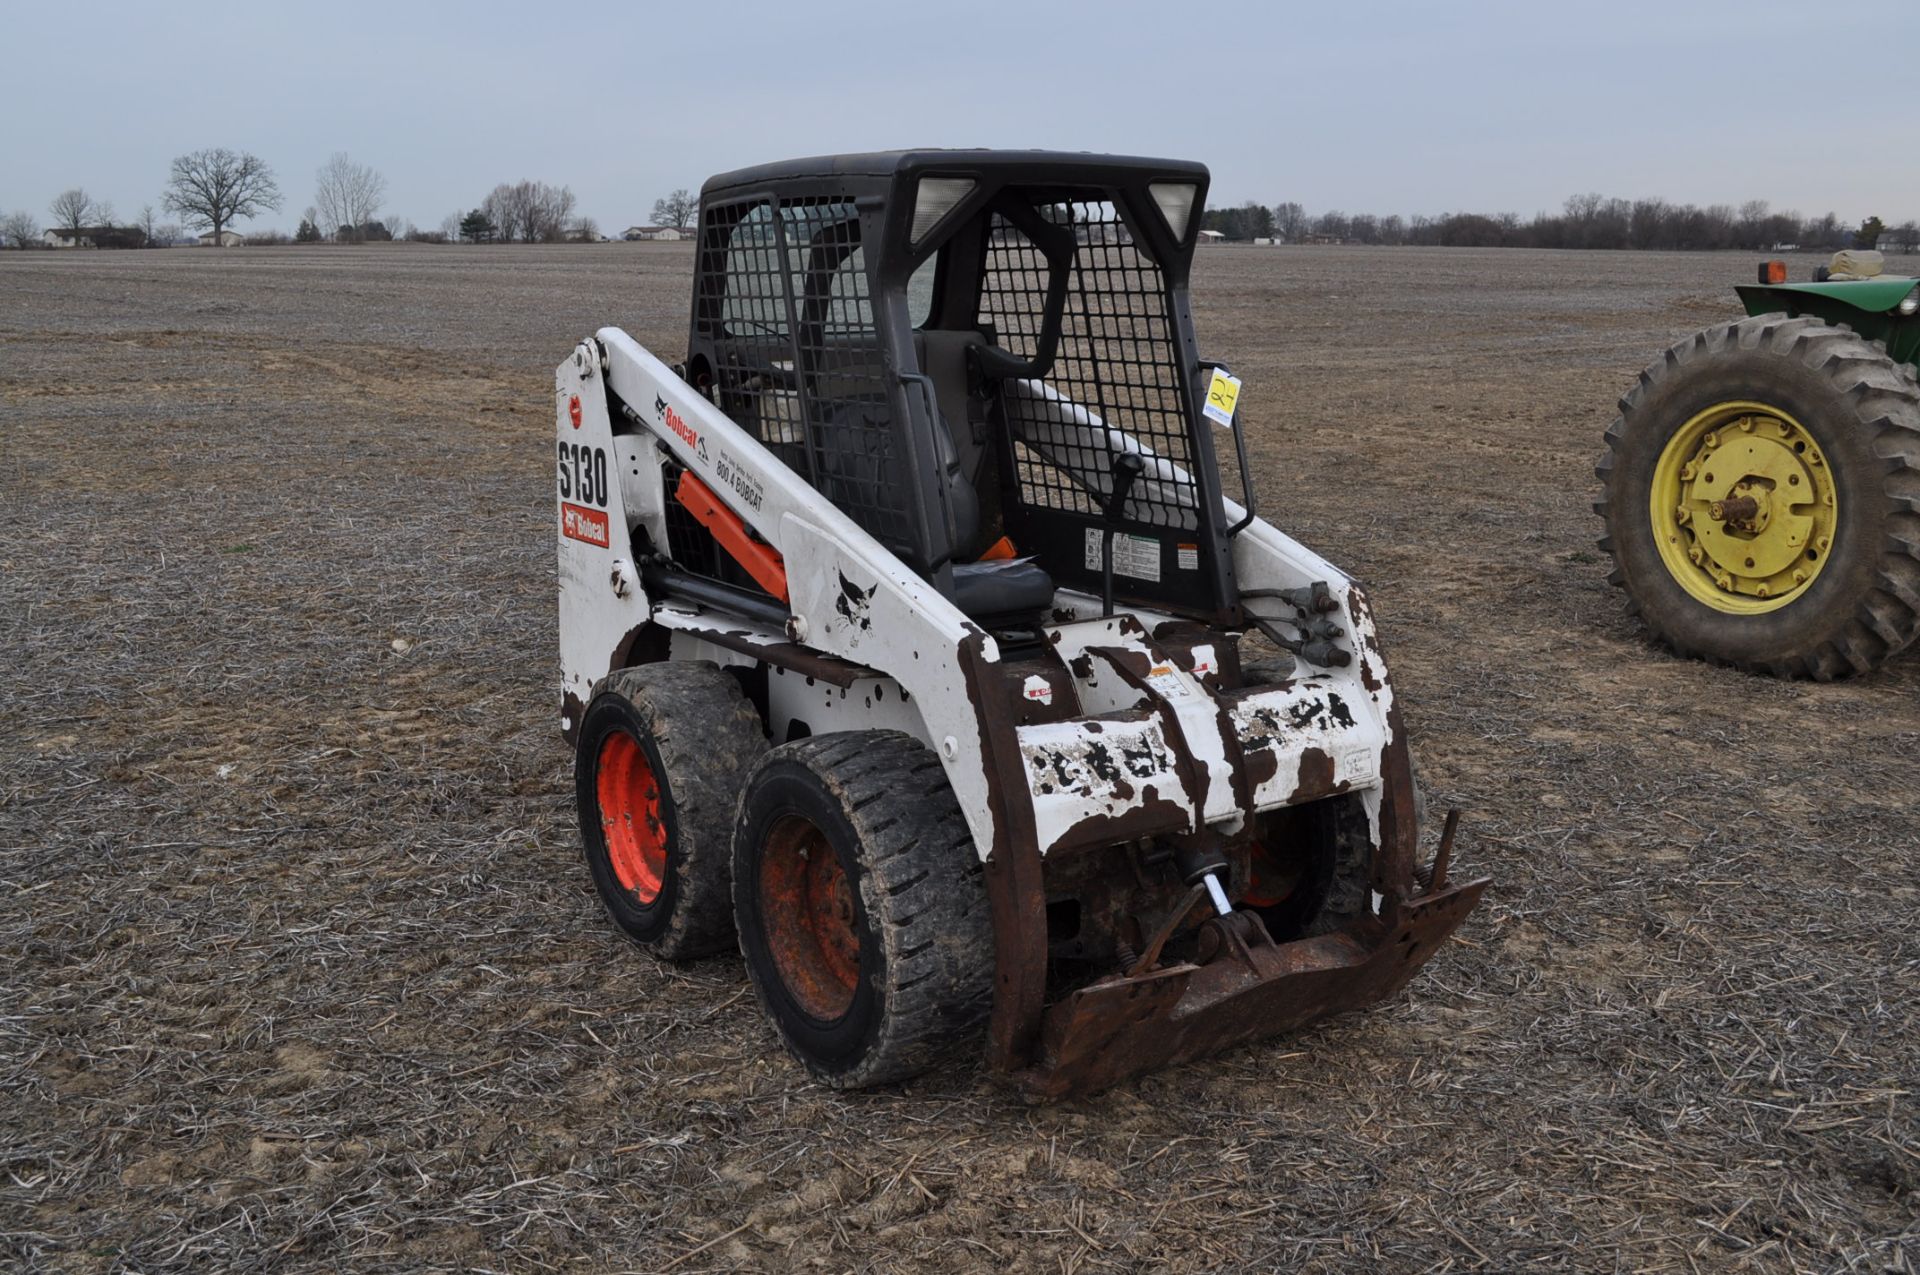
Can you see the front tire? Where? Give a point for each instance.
(662, 752)
(1761, 493)
(862, 907)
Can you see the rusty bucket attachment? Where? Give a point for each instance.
(1242, 987)
(1239, 985)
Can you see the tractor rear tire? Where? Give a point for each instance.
(660, 759)
(1848, 597)
(861, 906)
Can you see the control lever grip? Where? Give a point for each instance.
(1126, 470)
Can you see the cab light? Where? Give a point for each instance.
(1175, 202)
(1773, 272)
(933, 200)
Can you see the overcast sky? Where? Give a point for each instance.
(1380, 107)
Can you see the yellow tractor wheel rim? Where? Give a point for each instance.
(1743, 508)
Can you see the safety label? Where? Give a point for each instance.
(1136, 556)
(1163, 679)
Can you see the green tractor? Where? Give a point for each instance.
(1761, 486)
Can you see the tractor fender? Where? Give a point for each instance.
(1867, 306)
(1866, 296)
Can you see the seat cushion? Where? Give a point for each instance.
(1008, 590)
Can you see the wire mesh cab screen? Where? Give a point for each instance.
(1115, 358)
(782, 296)
(951, 377)
(1117, 381)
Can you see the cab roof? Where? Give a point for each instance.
(880, 168)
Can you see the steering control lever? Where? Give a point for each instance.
(1125, 471)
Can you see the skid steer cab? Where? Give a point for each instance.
(909, 641)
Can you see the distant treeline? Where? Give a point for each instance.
(1586, 221)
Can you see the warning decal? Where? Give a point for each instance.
(1136, 556)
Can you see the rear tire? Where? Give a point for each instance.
(1856, 414)
(862, 906)
(662, 753)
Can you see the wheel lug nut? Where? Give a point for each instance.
(1799, 577)
(1683, 515)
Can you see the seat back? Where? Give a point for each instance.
(958, 438)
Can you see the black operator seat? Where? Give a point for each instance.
(1007, 591)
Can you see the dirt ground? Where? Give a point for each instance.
(299, 966)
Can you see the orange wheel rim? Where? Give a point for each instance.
(1270, 879)
(630, 816)
(806, 905)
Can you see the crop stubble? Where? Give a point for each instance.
(298, 965)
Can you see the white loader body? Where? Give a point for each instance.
(890, 635)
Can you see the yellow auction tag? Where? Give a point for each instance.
(1223, 395)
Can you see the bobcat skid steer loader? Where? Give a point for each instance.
(906, 640)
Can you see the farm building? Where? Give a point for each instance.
(228, 239)
(1212, 236)
(653, 232)
(95, 237)
(66, 237)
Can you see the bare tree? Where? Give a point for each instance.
(532, 212)
(347, 196)
(676, 210)
(1290, 219)
(1334, 225)
(506, 208)
(1648, 223)
(71, 210)
(19, 229)
(146, 224)
(214, 187)
(1820, 232)
(450, 227)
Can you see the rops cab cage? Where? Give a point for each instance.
(910, 645)
(939, 345)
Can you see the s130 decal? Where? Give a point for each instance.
(583, 474)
